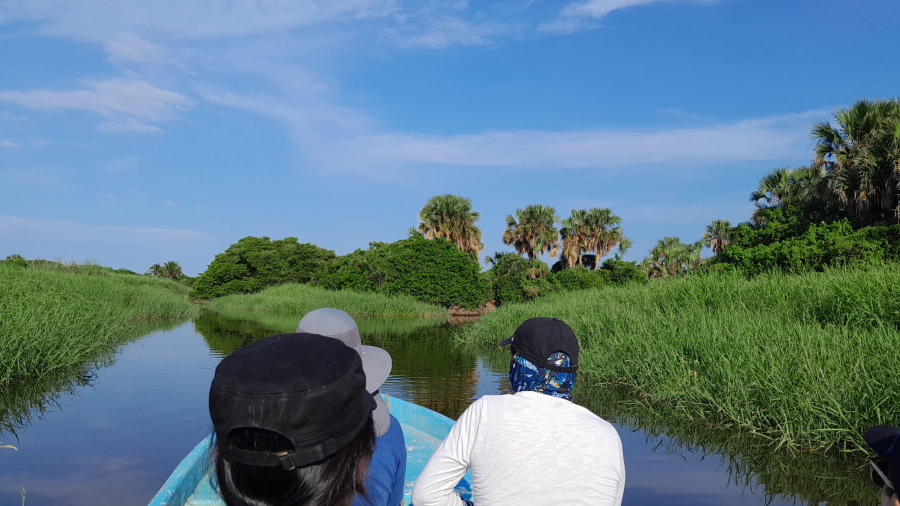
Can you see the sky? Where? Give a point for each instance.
(135, 132)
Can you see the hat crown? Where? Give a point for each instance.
(536, 339)
(332, 323)
(309, 388)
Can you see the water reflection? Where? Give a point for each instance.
(752, 463)
(22, 402)
(112, 435)
(427, 370)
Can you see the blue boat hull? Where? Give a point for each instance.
(423, 429)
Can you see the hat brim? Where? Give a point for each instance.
(881, 438)
(381, 416)
(506, 341)
(376, 363)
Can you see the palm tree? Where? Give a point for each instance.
(605, 230)
(785, 187)
(575, 237)
(533, 231)
(861, 160)
(154, 270)
(717, 235)
(584, 231)
(171, 270)
(671, 257)
(451, 217)
(624, 245)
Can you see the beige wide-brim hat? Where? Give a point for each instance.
(376, 362)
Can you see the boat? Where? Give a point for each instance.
(191, 483)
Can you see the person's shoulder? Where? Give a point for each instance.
(589, 418)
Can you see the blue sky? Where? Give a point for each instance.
(136, 132)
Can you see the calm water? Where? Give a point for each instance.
(113, 435)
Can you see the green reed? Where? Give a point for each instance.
(54, 321)
(295, 298)
(806, 360)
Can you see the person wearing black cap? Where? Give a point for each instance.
(387, 472)
(521, 448)
(293, 423)
(885, 440)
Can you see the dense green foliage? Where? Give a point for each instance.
(514, 279)
(788, 242)
(295, 298)
(51, 320)
(577, 278)
(254, 263)
(800, 358)
(620, 272)
(431, 270)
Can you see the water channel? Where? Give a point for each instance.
(113, 434)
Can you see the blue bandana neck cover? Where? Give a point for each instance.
(525, 376)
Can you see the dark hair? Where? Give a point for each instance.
(334, 481)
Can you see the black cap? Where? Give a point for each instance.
(883, 439)
(538, 338)
(311, 389)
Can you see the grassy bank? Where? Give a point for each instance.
(295, 298)
(808, 360)
(53, 321)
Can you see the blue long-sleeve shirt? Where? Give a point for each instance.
(387, 471)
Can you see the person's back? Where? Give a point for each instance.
(529, 448)
(387, 471)
(534, 447)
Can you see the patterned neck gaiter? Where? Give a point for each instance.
(525, 376)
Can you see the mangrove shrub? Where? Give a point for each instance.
(254, 263)
(431, 270)
(515, 279)
(789, 243)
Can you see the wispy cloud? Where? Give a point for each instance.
(13, 228)
(102, 20)
(749, 140)
(128, 104)
(8, 144)
(128, 47)
(450, 31)
(583, 15)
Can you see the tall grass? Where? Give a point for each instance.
(807, 360)
(295, 298)
(52, 321)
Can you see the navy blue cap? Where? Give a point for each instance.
(538, 338)
(311, 389)
(886, 443)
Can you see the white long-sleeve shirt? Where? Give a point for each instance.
(527, 449)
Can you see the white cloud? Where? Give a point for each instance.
(128, 104)
(599, 8)
(8, 144)
(451, 31)
(128, 47)
(581, 15)
(749, 140)
(13, 228)
(104, 20)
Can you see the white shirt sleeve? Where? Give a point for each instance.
(621, 490)
(448, 465)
